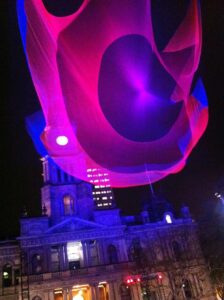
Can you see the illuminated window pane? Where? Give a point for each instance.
(81, 292)
(68, 205)
(168, 219)
(7, 275)
(75, 254)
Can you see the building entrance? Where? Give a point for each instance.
(81, 293)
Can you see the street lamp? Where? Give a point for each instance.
(220, 197)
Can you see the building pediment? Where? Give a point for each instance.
(71, 224)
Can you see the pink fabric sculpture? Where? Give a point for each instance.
(111, 100)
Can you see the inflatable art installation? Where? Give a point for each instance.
(111, 98)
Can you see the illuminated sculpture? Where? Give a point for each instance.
(111, 100)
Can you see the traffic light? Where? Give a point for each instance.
(129, 281)
(159, 278)
(133, 279)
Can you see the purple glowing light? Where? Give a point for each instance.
(104, 85)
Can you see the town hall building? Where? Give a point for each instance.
(82, 248)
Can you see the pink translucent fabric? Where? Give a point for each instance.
(93, 91)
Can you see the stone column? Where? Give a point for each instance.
(195, 285)
(48, 258)
(69, 294)
(85, 254)
(114, 291)
(65, 257)
(97, 292)
(139, 291)
(99, 252)
(65, 294)
(135, 292)
(1, 276)
(102, 251)
(61, 257)
(93, 292)
(88, 254)
(124, 252)
(51, 295)
(112, 295)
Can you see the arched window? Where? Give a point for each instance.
(112, 254)
(137, 254)
(36, 264)
(36, 298)
(147, 293)
(68, 203)
(55, 259)
(93, 253)
(125, 292)
(7, 275)
(176, 250)
(187, 289)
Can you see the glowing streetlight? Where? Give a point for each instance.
(62, 140)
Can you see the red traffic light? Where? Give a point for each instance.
(129, 280)
(159, 278)
(133, 279)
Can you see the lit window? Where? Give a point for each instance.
(168, 219)
(7, 275)
(187, 289)
(81, 292)
(74, 251)
(75, 254)
(68, 205)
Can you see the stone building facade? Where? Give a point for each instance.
(76, 251)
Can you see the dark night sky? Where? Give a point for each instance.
(20, 165)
